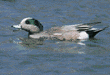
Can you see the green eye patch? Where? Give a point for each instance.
(35, 22)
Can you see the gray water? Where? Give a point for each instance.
(20, 55)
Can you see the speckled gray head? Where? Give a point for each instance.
(30, 25)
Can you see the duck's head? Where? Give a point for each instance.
(30, 25)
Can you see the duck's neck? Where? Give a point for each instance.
(31, 33)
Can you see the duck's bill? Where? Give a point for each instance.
(16, 26)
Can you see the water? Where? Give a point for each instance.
(22, 56)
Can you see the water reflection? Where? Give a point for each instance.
(54, 45)
(31, 43)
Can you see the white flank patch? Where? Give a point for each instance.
(83, 35)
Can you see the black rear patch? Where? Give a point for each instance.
(92, 33)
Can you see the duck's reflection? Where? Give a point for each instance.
(32, 43)
(76, 47)
(53, 45)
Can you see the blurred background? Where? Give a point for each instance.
(20, 55)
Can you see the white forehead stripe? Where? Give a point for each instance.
(26, 19)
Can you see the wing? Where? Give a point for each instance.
(79, 27)
(85, 26)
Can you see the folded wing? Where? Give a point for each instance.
(85, 26)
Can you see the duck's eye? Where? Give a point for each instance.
(27, 22)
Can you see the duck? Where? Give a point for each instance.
(67, 32)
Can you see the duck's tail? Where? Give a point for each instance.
(94, 31)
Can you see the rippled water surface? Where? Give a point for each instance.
(20, 55)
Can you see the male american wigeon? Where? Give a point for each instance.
(67, 32)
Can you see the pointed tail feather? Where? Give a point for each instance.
(102, 29)
(91, 23)
(92, 33)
